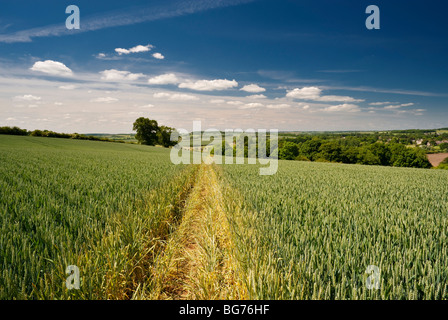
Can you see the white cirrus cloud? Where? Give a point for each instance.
(117, 75)
(253, 88)
(136, 49)
(337, 99)
(257, 96)
(343, 108)
(158, 55)
(209, 85)
(167, 78)
(398, 106)
(147, 106)
(27, 97)
(380, 103)
(251, 105)
(53, 68)
(104, 100)
(175, 96)
(278, 106)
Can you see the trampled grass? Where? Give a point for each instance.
(311, 230)
(99, 206)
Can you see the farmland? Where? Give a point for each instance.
(127, 217)
(90, 204)
(311, 230)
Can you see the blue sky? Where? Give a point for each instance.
(287, 65)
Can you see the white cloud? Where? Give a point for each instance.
(116, 75)
(343, 108)
(147, 106)
(51, 67)
(234, 102)
(209, 85)
(253, 88)
(278, 106)
(257, 96)
(167, 78)
(175, 96)
(314, 94)
(158, 55)
(27, 97)
(104, 99)
(338, 99)
(380, 103)
(135, 49)
(68, 87)
(398, 106)
(306, 93)
(251, 105)
(217, 101)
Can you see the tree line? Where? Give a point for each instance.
(353, 150)
(51, 134)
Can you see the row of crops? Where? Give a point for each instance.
(312, 230)
(103, 207)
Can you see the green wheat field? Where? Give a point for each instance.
(307, 232)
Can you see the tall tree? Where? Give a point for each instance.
(146, 131)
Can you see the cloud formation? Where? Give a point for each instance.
(136, 49)
(105, 100)
(167, 78)
(27, 97)
(253, 88)
(53, 68)
(175, 96)
(158, 55)
(117, 75)
(392, 107)
(121, 18)
(315, 94)
(209, 85)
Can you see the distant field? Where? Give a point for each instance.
(437, 158)
(120, 137)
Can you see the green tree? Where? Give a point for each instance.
(443, 147)
(146, 131)
(164, 136)
(331, 151)
(288, 151)
(310, 148)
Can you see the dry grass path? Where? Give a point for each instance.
(198, 262)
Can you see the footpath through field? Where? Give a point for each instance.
(198, 262)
